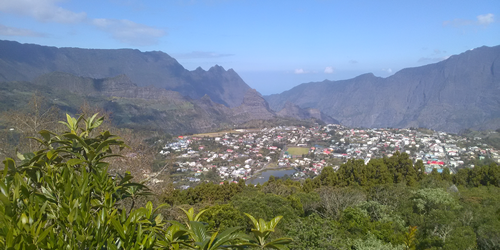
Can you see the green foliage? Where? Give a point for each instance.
(410, 237)
(62, 197)
(191, 216)
(372, 243)
(482, 214)
(314, 232)
(333, 201)
(202, 239)
(402, 169)
(382, 213)
(355, 221)
(266, 206)
(429, 199)
(398, 168)
(261, 232)
(328, 177)
(220, 217)
(362, 206)
(353, 172)
(206, 192)
(479, 176)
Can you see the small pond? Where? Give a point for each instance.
(264, 175)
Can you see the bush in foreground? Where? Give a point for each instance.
(62, 197)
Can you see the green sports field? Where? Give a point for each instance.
(297, 151)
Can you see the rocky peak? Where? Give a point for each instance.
(216, 68)
(25, 62)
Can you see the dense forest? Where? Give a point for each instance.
(373, 206)
(74, 189)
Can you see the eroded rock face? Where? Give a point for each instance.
(253, 107)
(291, 110)
(460, 92)
(118, 86)
(148, 107)
(317, 114)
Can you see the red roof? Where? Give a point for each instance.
(435, 162)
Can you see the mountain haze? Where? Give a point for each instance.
(460, 92)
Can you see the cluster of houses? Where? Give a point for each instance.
(243, 154)
(436, 149)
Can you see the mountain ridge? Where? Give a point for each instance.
(25, 62)
(133, 106)
(458, 93)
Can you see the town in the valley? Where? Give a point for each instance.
(300, 152)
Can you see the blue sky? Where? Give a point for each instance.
(273, 45)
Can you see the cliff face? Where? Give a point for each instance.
(146, 107)
(455, 94)
(25, 62)
(225, 87)
(139, 82)
(254, 107)
(291, 110)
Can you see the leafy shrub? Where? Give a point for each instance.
(62, 197)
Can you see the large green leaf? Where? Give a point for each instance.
(225, 237)
(198, 231)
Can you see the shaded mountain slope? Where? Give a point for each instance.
(460, 92)
(291, 110)
(137, 107)
(25, 62)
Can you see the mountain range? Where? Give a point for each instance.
(147, 90)
(25, 62)
(458, 93)
(151, 89)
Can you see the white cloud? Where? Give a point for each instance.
(124, 31)
(389, 70)
(129, 32)
(12, 31)
(485, 19)
(41, 10)
(329, 70)
(299, 71)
